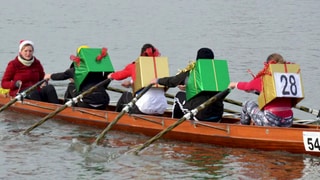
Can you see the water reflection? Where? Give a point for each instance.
(61, 147)
(189, 160)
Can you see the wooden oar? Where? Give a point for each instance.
(302, 108)
(172, 96)
(233, 102)
(122, 91)
(68, 104)
(21, 95)
(308, 110)
(193, 112)
(123, 111)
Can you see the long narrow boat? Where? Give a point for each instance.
(301, 138)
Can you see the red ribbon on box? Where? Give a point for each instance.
(104, 53)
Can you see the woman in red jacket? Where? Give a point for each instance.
(153, 101)
(24, 71)
(276, 113)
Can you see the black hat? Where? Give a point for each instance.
(205, 53)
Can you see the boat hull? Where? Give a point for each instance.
(228, 133)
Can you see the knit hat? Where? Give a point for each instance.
(205, 53)
(25, 42)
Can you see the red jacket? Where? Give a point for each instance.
(29, 75)
(128, 71)
(278, 103)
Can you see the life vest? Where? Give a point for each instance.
(208, 75)
(281, 81)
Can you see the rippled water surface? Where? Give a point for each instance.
(243, 32)
(62, 151)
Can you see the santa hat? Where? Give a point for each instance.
(23, 43)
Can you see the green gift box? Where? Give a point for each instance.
(90, 62)
(208, 75)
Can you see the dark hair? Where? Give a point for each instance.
(145, 47)
(149, 50)
(205, 53)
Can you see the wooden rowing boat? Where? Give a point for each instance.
(301, 138)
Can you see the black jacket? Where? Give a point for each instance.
(214, 110)
(99, 96)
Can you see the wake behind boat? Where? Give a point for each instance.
(300, 138)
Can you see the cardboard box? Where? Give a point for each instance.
(208, 75)
(148, 68)
(89, 63)
(281, 80)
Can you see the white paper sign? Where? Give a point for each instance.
(311, 141)
(288, 85)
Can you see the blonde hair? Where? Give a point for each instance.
(277, 58)
(274, 58)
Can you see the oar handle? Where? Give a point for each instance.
(90, 90)
(122, 91)
(27, 91)
(308, 110)
(144, 90)
(193, 112)
(123, 111)
(21, 95)
(302, 108)
(233, 102)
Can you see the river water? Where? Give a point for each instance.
(244, 32)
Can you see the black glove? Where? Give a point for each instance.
(18, 83)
